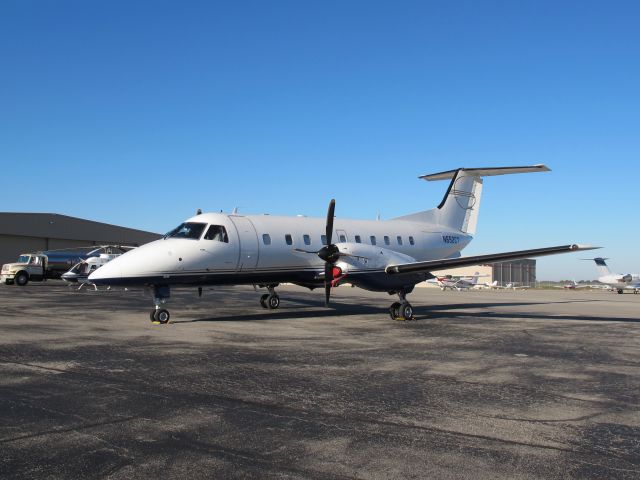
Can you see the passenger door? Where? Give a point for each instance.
(248, 237)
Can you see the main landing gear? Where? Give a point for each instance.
(401, 310)
(270, 300)
(160, 296)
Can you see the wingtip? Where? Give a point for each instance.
(582, 246)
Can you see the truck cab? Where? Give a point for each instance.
(30, 266)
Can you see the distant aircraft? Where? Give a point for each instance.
(508, 286)
(573, 285)
(617, 281)
(385, 256)
(454, 282)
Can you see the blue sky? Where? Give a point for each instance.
(139, 112)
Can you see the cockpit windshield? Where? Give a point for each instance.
(190, 230)
(80, 268)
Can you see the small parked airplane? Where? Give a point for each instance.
(617, 281)
(385, 256)
(453, 282)
(508, 286)
(572, 285)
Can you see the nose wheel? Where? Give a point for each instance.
(161, 316)
(270, 300)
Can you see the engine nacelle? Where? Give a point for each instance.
(360, 256)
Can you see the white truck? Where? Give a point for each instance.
(30, 266)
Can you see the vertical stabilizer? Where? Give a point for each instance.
(461, 204)
(601, 265)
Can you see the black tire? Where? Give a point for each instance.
(162, 316)
(263, 300)
(407, 311)
(394, 310)
(620, 291)
(273, 302)
(8, 282)
(21, 279)
(152, 315)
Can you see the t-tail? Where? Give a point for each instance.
(601, 265)
(461, 204)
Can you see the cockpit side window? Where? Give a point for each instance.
(191, 230)
(217, 233)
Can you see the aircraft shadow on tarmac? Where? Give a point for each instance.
(426, 312)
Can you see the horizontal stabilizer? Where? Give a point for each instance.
(432, 265)
(485, 172)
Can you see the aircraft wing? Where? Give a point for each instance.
(443, 263)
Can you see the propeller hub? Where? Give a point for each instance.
(329, 253)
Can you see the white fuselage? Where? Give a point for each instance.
(619, 281)
(260, 249)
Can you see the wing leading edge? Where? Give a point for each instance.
(431, 265)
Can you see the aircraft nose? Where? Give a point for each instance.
(108, 272)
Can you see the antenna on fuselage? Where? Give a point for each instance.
(378, 217)
(235, 211)
(199, 211)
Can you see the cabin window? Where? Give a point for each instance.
(217, 233)
(386, 240)
(399, 238)
(373, 239)
(191, 230)
(411, 241)
(266, 239)
(307, 239)
(288, 239)
(343, 238)
(358, 239)
(323, 239)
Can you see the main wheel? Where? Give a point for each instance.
(394, 310)
(407, 311)
(22, 279)
(273, 302)
(152, 315)
(620, 290)
(263, 300)
(162, 316)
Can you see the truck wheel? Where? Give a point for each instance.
(22, 278)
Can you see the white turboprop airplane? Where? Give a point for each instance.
(386, 256)
(617, 281)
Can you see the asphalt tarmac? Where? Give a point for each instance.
(482, 385)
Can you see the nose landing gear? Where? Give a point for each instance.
(401, 310)
(160, 315)
(270, 300)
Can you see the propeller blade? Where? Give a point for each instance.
(328, 278)
(330, 213)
